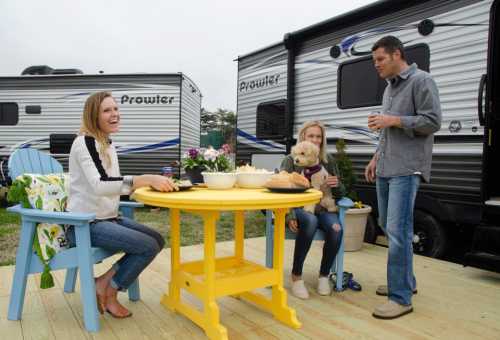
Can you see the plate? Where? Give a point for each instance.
(181, 188)
(288, 190)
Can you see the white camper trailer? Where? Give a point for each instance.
(325, 72)
(160, 115)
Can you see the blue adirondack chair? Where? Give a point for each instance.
(82, 257)
(338, 265)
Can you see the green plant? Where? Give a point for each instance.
(345, 170)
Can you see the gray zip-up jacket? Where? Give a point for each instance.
(412, 95)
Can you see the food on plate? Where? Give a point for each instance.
(249, 168)
(287, 180)
(183, 182)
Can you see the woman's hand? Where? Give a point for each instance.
(293, 225)
(332, 181)
(160, 183)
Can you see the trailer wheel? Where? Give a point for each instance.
(371, 231)
(430, 237)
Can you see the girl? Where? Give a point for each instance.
(95, 187)
(305, 224)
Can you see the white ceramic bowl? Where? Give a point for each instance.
(219, 180)
(252, 180)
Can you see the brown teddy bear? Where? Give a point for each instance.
(305, 154)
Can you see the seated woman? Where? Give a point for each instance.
(305, 223)
(95, 187)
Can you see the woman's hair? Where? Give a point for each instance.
(302, 137)
(90, 122)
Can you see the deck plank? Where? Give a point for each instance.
(452, 302)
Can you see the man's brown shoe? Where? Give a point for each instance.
(391, 310)
(384, 291)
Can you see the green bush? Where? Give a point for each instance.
(345, 170)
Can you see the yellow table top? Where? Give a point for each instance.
(231, 199)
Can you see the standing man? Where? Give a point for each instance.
(411, 113)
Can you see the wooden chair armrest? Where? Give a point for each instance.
(131, 204)
(57, 217)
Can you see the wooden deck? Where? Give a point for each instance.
(452, 303)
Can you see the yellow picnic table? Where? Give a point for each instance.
(211, 277)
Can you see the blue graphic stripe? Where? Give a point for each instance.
(150, 147)
(29, 143)
(254, 139)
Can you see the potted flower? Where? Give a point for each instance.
(218, 168)
(194, 163)
(356, 217)
(210, 166)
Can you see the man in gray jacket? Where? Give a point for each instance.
(411, 113)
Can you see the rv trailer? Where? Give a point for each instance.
(325, 72)
(160, 115)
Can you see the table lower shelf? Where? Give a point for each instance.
(232, 276)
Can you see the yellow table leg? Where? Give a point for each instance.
(213, 328)
(239, 234)
(172, 300)
(280, 309)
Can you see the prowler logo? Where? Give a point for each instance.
(259, 83)
(125, 99)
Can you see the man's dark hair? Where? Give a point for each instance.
(390, 44)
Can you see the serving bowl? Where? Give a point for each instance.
(252, 180)
(219, 180)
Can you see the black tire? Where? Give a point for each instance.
(430, 236)
(371, 231)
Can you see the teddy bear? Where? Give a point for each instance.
(306, 154)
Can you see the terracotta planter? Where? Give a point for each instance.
(354, 227)
(194, 174)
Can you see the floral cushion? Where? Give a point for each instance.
(49, 193)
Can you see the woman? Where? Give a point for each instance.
(305, 224)
(95, 187)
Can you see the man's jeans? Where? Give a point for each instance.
(139, 243)
(396, 200)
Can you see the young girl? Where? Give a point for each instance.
(95, 187)
(305, 224)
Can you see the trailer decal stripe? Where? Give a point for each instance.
(254, 139)
(149, 147)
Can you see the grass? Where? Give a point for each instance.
(158, 219)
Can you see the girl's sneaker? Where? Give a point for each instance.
(299, 289)
(324, 287)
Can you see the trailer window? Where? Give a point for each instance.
(9, 114)
(359, 85)
(271, 120)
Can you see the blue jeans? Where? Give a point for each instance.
(139, 243)
(308, 223)
(396, 201)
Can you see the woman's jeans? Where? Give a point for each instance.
(308, 223)
(396, 201)
(139, 243)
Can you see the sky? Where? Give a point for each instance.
(199, 38)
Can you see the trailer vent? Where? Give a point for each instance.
(271, 123)
(61, 143)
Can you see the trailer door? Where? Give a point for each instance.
(489, 113)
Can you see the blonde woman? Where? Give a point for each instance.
(305, 224)
(95, 187)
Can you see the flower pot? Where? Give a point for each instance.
(194, 174)
(354, 227)
(219, 180)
